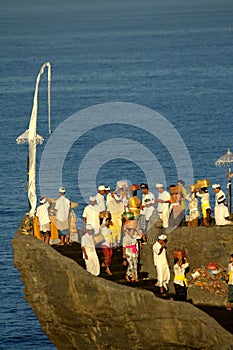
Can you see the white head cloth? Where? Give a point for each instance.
(215, 186)
(62, 190)
(158, 185)
(43, 200)
(162, 237)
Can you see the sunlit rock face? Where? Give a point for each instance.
(79, 311)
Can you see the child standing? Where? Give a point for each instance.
(130, 249)
(106, 245)
(230, 283)
(180, 281)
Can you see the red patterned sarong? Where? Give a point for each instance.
(107, 252)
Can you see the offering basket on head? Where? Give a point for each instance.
(203, 183)
(193, 188)
(105, 214)
(134, 187)
(179, 254)
(122, 184)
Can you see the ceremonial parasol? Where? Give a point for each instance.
(32, 138)
(23, 139)
(227, 159)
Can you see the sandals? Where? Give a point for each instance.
(127, 278)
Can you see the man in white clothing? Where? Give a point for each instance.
(146, 194)
(221, 214)
(163, 204)
(100, 198)
(161, 263)
(44, 220)
(149, 208)
(91, 215)
(219, 194)
(62, 208)
(150, 214)
(89, 252)
(109, 197)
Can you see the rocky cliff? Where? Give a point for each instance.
(80, 311)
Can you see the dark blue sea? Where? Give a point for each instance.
(116, 65)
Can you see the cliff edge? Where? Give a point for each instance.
(79, 311)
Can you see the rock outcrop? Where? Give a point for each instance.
(79, 311)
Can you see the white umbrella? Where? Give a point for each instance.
(227, 159)
(23, 139)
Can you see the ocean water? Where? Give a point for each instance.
(172, 57)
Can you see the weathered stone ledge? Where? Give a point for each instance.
(80, 311)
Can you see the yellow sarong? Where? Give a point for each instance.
(203, 209)
(181, 278)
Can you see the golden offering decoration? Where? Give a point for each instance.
(193, 188)
(105, 214)
(73, 205)
(203, 183)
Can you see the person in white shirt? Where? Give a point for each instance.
(146, 193)
(100, 201)
(219, 194)
(109, 197)
(62, 208)
(125, 197)
(180, 281)
(106, 245)
(193, 210)
(221, 213)
(161, 263)
(91, 215)
(131, 249)
(219, 198)
(163, 204)
(89, 252)
(205, 205)
(151, 216)
(44, 220)
(149, 208)
(116, 208)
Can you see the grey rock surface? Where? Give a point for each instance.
(202, 245)
(79, 311)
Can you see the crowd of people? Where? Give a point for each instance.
(120, 218)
